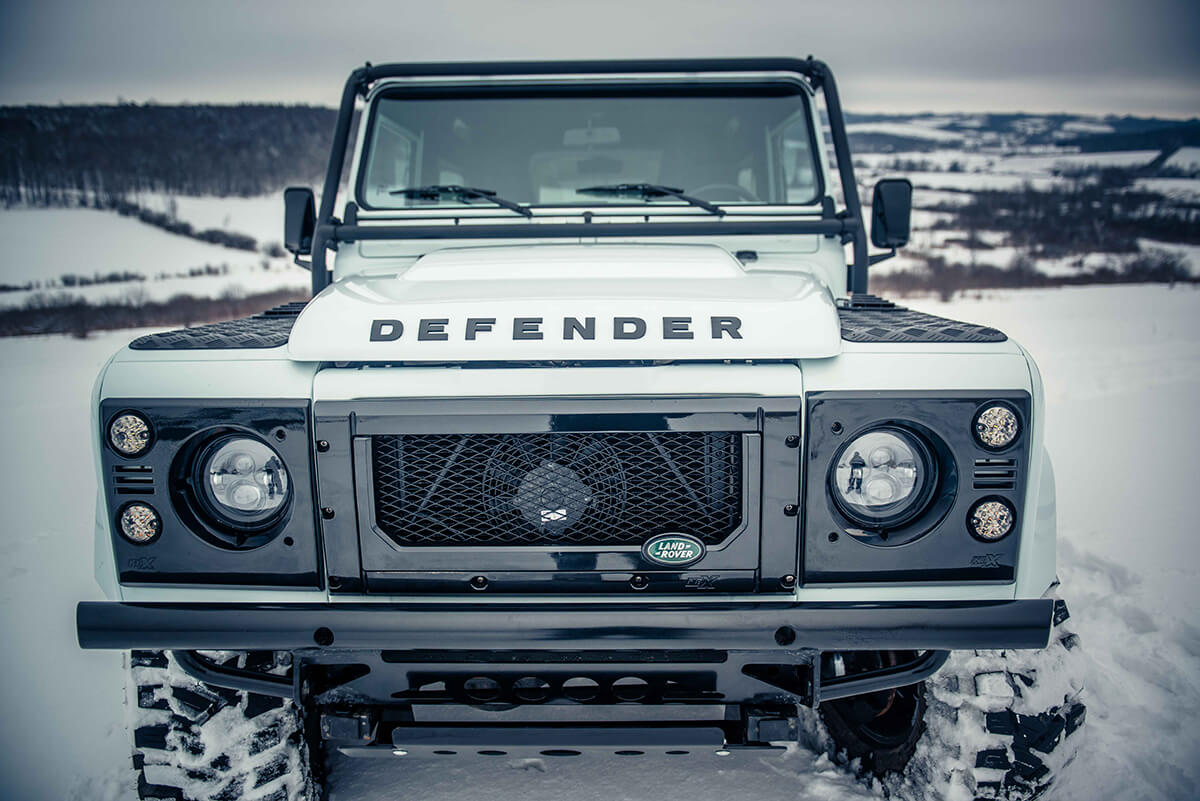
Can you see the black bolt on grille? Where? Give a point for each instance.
(557, 489)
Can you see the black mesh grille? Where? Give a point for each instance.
(565, 489)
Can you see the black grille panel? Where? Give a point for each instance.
(557, 488)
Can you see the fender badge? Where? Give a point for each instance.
(673, 550)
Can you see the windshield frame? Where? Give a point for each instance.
(574, 87)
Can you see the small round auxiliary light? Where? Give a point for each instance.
(140, 524)
(129, 434)
(996, 427)
(992, 519)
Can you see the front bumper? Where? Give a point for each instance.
(769, 627)
(429, 655)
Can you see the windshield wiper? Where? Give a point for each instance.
(463, 194)
(649, 191)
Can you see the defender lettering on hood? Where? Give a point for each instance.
(570, 302)
(439, 329)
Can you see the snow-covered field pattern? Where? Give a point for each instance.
(102, 257)
(1122, 371)
(994, 195)
(946, 182)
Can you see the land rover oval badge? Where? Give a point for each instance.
(673, 550)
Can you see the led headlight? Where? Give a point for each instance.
(140, 523)
(243, 482)
(991, 519)
(883, 478)
(129, 434)
(996, 426)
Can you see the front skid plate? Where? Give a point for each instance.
(441, 742)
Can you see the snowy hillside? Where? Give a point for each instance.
(1122, 371)
(898, 132)
(59, 251)
(982, 183)
(974, 209)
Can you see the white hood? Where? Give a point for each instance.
(569, 302)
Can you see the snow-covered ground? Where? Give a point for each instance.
(907, 129)
(1186, 158)
(1122, 372)
(261, 217)
(42, 245)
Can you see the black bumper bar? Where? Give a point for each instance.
(758, 627)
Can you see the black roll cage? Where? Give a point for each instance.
(846, 224)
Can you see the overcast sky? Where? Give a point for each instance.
(1091, 56)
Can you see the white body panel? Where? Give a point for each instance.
(676, 380)
(234, 374)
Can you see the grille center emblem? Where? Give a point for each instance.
(673, 550)
(552, 497)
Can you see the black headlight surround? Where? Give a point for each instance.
(207, 518)
(936, 545)
(930, 458)
(187, 554)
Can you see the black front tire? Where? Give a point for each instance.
(879, 729)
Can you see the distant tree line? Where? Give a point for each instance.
(946, 279)
(1105, 212)
(1184, 134)
(71, 314)
(171, 224)
(88, 155)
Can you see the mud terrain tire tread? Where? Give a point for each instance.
(196, 742)
(1001, 724)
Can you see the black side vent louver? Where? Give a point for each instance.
(995, 474)
(133, 479)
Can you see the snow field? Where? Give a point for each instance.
(1121, 368)
(261, 217)
(908, 129)
(45, 244)
(1186, 158)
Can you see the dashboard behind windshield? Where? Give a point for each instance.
(728, 144)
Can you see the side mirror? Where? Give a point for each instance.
(299, 220)
(891, 213)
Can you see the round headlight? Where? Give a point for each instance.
(129, 434)
(991, 519)
(883, 478)
(243, 481)
(140, 523)
(996, 426)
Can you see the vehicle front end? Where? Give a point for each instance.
(562, 457)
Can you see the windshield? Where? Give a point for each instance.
(540, 146)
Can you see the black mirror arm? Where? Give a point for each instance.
(878, 257)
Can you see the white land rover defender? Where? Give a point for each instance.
(590, 441)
